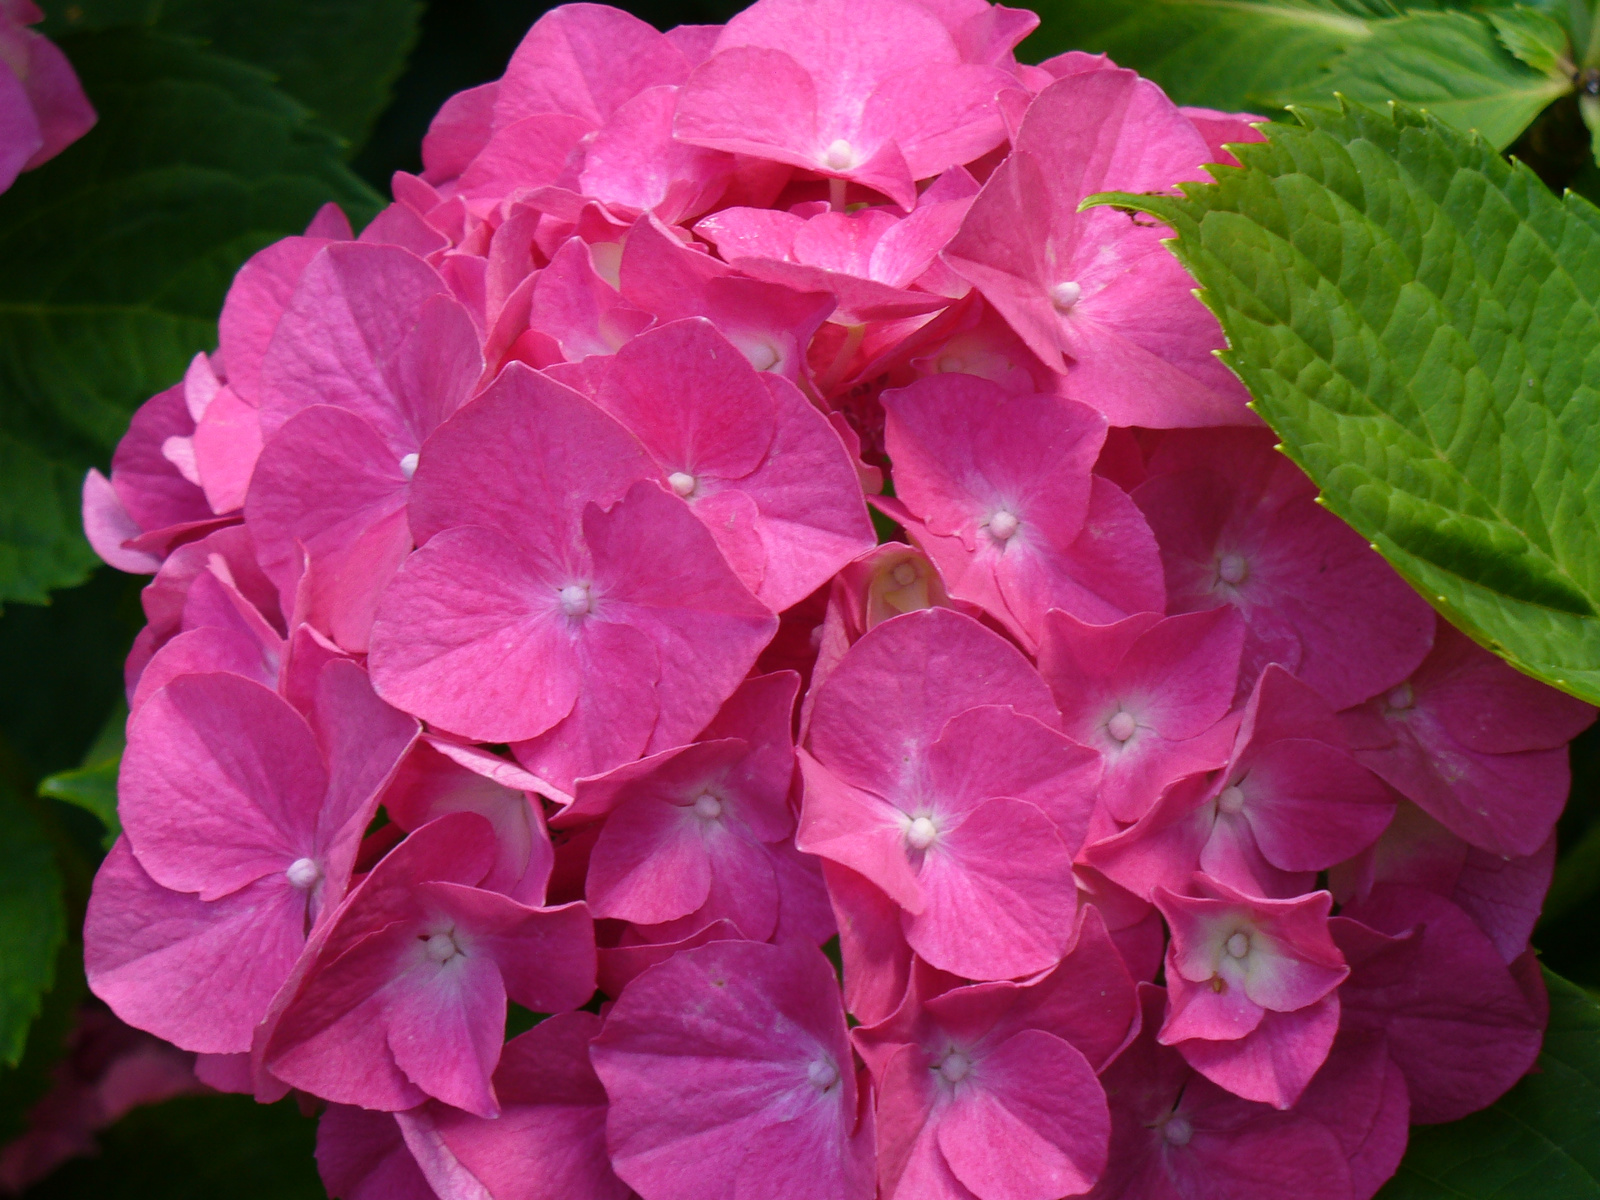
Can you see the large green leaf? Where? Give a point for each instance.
(92, 785)
(338, 57)
(32, 922)
(1417, 318)
(118, 255)
(1540, 1141)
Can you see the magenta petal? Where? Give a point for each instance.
(445, 1027)
(731, 1058)
(1275, 1062)
(859, 830)
(999, 896)
(362, 1156)
(469, 636)
(651, 863)
(1032, 1126)
(198, 974)
(221, 785)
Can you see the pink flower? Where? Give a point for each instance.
(1452, 1016)
(760, 467)
(404, 996)
(1095, 294)
(877, 96)
(729, 1064)
(362, 1155)
(242, 825)
(42, 106)
(998, 491)
(1290, 802)
(692, 832)
(1480, 747)
(936, 771)
(990, 1090)
(1315, 599)
(1252, 987)
(371, 356)
(1150, 695)
(559, 600)
(1175, 1135)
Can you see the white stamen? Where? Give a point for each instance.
(816, 636)
(1003, 525)
(707, 807)
(1121, 726)
(1401, 697)
(763, 356)
(1232, 568)
(822, 1074)
(1177, 1130)
(408, 465)
(1239, 945)
(1065, 295)
(1231, 801)
(951, 364)
(682, 483)
(303, 873)
(955, 1067)
(441, 947)
(575, 599)
(904, 574)
(839, 156)
(920, 834)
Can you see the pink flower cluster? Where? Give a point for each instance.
(519, 637)
(42, 106)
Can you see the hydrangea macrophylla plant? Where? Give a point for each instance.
(42, 106)
(518, 636)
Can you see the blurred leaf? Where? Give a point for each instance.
(1540, 1141)
(337, 57)
(1419, 320)
(1537, 38)
(118, 255)
(1222, 55)
(32, 923)
(197, 1148)
(93, 786)
(1450, 63)
(23, 1086)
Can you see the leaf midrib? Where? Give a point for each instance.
(1353, 27)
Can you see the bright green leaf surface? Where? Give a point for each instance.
(1417, 319)
(93, 785)
(338, 57)
(118, 255)
(32, 923)
(1449, 62)
(1541, 1141)
(1536, 38)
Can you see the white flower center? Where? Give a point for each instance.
(920, 834)
(904, 574)
(575, 599)
(707, 807)
(1231, 801)
(840, 156)
(1177, 1130)
(441, 947)
(822, 1074)
(763, 356)
(682, 483)
(1065, 295)
(1232, 568)
(1401, 697)
(1003, 526)
(408, 465)
(303, 873)
(1239, 945)
(955, 1067)
(1121, 726)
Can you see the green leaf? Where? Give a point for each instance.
(1535, 37)
(1417, 319)
(32, 922)
(337, 57)
(118, 255)
(1540, 1141)
(1449, 62)
(1227, 54)
(93, 785)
